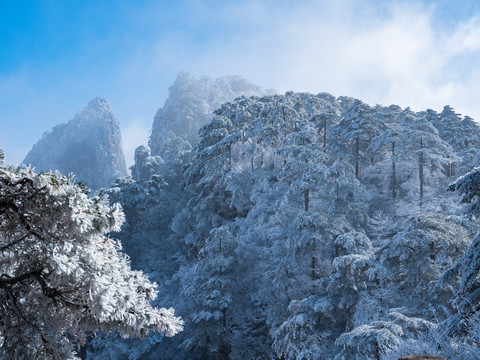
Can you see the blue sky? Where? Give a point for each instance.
(58, 55)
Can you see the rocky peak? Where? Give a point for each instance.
(100, 106)
(89, 145)
(190, 105)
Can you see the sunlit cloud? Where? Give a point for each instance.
(466, 38)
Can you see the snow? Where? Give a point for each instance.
(302, 226)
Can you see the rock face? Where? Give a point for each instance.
(190, 105)
(89, 145)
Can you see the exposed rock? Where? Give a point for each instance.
(190, 105)
(145, 165)
(89, 145)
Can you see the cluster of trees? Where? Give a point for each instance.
(300, 227)
(61, 278)
(311, 227)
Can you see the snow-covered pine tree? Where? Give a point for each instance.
(61, 277)
(467, 268)
(357, 127)
(211, 286)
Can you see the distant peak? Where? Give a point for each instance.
(99, 104)
(184, 74)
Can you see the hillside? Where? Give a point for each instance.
(307, 227)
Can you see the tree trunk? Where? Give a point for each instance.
(325, 136)
(356, 157)
(420, 170)
(306, 195)
(220, 253)
(314, 259)
(394, 173)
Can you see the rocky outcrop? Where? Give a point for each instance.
(145, 165)
(89, 145)
(190, 105)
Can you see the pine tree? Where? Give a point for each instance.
(467, 268)
(211, 288)
(61, 277)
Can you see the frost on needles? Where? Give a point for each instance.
(293, 226)
(307, 227)
(61, 278)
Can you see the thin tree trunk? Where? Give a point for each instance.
(325, 136)
(394, 173)
(356, 158)
(420, 170)
(377, 351)
(306, 195)
(314, 260)
(220, 253)
(335, 248)
(230, 155)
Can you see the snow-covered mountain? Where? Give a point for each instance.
(189, 106)
(305, 226)
(89, 145)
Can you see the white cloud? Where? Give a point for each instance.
(396, 53)
(466, 37)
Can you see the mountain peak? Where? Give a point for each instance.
(190, 105)
(99, 104)
(89, 146)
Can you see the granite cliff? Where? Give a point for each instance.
(89, 145)
(175, 130)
